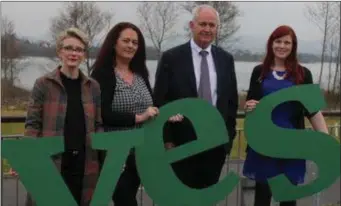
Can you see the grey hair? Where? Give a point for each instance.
(196, 11)
(72, 32)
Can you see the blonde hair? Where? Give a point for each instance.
(72, 32)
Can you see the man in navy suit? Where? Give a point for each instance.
(198, 69)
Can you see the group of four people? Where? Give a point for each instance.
(118, 96)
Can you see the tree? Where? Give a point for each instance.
(86, 16)
(337, 10)
(228, 12)
(157, 21)
(331, 51)
(10, 52)
(320, 14)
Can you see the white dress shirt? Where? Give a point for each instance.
(211, 67)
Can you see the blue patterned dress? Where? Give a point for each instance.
(259, 167)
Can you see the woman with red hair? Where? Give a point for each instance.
(280, 69)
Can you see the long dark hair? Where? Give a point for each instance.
(294, 69)
(105, 58)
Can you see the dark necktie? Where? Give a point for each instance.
(204, 90)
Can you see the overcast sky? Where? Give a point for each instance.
(258, 19)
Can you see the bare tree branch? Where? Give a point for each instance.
(157, 20)
(86, 16)
(320, 13)
(10, 51)
(228, 12)
(337, 11)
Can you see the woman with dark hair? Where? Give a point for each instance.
(280, 69)
(127, 102)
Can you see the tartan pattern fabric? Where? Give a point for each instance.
(46, 114)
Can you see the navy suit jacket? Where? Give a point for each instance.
(175, 79)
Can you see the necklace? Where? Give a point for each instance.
(122, 72)
(274, 73)
(125, 76)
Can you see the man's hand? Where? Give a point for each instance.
(169, 145)
(176, 118)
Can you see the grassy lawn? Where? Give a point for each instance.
(12, 128)
(5, 112)
(238, 150)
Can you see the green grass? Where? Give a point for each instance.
(238, 150)
(5, 112)
(12, 128)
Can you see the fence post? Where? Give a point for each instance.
(336, 129)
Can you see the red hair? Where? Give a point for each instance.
(293, 68)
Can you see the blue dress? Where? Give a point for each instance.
(259, 167)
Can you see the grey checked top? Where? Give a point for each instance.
(133, 98)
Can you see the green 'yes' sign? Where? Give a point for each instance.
(31, 158)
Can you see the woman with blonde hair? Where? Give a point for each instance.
(67, 103)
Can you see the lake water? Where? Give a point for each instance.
(37, 66)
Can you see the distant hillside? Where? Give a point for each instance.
(258, 45)
(241, 52)
(246, 55)
(43, 49)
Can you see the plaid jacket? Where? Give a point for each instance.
(46, 114)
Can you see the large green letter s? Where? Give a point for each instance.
(268, 139)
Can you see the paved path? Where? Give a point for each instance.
(332, 195)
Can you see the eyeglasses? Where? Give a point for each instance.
(70, 48)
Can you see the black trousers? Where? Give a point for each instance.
(263, 196)
(72, 171)
(201, 170)
(128, 183)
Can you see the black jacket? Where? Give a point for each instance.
(107, 81)
(175, 79)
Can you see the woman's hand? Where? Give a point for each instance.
(148, 114)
